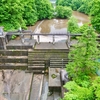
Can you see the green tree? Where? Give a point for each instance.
(63, 12)
(20, 13)
(30, 12)
(82, 69)
(95, 15)
(83, 6)
(86, 6)
(96, 88)
(63, 2)
(58, 2)
(84, 55)
(72, 25)
(77, 92)
(44, 9)
(76, 4)
(83, 27)
(11, 14)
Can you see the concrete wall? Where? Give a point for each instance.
(13, 59)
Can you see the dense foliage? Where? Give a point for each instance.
(74, 28)
(11, 14)
(76, 92)
(63, 12)
(82, 69)
(95, 13)
(83, 27)
(86, 6)
(80, 5)
(72, 25)
(63, 2)
(84, 55)
(44, 9)
(20, 13)
(30, 12)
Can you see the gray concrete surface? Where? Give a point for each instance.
(20, 42)
(57, 45)
(54, 82)
(14, 85)
(36, 87)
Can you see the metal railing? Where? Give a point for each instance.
(29, 33)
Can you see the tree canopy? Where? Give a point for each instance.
(20, 13)
(77, 5)
(72, 25)
(77, 92)
(84, 84)
(95, 15)
(63, 12)
(11, 13)
(84, 55)
(44, 9)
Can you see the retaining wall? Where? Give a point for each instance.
(13, 59)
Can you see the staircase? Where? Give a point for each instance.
(36, 63)
(58, 62)
(40, 59)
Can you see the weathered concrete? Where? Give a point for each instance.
(54, 96)
(15, 85)
(54, 82)
(45, 90)
(20, 44)
(36, 87)
(57, 45)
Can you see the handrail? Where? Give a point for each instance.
(29, 32)
(17, 33)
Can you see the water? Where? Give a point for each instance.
(56, 26)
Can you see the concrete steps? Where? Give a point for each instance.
(58, 63)
(40, 59)
(35, 64)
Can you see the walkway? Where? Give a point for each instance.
(57, 45)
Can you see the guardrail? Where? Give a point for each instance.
(28, 32)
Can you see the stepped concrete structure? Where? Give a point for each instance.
(46, 55)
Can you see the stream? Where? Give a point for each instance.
(58, 26)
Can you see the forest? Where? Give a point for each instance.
(22, 13)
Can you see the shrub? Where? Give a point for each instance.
(84, 55)
(72, 25)
(63, 12)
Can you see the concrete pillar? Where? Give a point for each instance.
(53, 39)
(2, 37)
(31, 37)
(3, 42)
(68, 42)
(38, 39)
(22, 38)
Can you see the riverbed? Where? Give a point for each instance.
(57, 25)
(54, 26)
